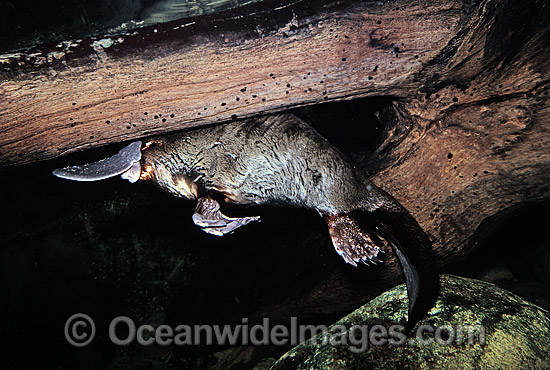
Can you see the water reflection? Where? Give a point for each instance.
(26, 23)
(169, 10)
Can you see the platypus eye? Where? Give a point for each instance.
(185, 186)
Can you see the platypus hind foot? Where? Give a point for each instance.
(209, 218)
(351, 241)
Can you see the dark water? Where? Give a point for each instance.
(26, 23)
(165, 11)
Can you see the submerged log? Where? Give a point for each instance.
(86, 93)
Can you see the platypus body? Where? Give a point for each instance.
(279, 160)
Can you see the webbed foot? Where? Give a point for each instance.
(351, 241)
(209, 218)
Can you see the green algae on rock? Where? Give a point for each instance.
(474, 324)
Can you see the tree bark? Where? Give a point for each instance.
(87, 93)
(468, 146)
(475, 141)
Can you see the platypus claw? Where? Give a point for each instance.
(351, 241)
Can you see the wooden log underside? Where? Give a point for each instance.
(208, 70)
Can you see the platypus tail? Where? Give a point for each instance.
(416, 256)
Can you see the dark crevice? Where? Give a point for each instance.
(510, 250)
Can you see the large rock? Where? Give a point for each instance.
(506, 332)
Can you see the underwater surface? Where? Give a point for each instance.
(26, 23)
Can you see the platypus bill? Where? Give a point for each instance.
(279, 160)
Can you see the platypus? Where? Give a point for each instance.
(279, 160)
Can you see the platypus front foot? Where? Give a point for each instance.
(209, 218)
(351, 241)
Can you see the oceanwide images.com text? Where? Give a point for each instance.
(80, 330)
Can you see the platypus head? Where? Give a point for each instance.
(131, 165)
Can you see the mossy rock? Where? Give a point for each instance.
(505, 332)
